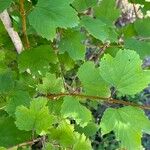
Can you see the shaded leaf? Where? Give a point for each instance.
(107, 10)
(81, 5)
(78, 112)
(37, 59)
(16, 99)
(93, 83)
(10, 135)
(72, 42)
(6, 82)
(142, 27)
(141, 47)
(99, 29)
(51, 84)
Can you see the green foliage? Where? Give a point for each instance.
(88, 130)
(67, 61)
(64, 134)
(36, 118)
(144, 23)
(6, 82)
(141, 47)
(47, 17)
(67, 137)
(83, 59)
(16, 99)
(99, 29)
(74, 45)
(93, 84)
(107, 10)
(124, 72)
(81, 5)
(51, 84)
(37, 59)
(127, 130)
(82, 143)
(10, 135)
(78, 112)
(4, 4)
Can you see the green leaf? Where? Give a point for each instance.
(6, 82)
(127, 123)
(55, 106)
(10, 135)
(78, 112)
(89, 130)
(141, 47)
(74, 45)
(93, 83)
(16, 99)
(142, 27)
(107, 10)
(37, 59)
(128, 30)
(81, 5)
(66, 61)
(51, 84)
(49, 15)
(82, 143)
(99, 29)
(4, 4)
(64, 134)
(50, 146)
(124, 72)
(36, 118)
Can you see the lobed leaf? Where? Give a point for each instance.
(92, 83)
(36, 118)
(124, 72)
(78, 112)
(51, 84)
(48, 15)
(128, 123)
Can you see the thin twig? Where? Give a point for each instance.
(107, 100)
(135, 10)
(5, 18)
(32, 142)
(24, 144)
(24, 27)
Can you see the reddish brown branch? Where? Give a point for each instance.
(24, 27)
(107, 100)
